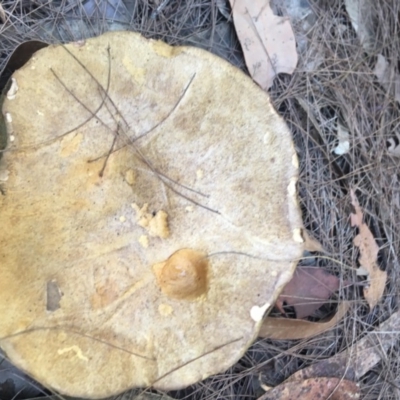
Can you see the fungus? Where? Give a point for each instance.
(183, 275)
(149, 217)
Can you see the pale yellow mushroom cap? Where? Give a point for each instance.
(142, 270)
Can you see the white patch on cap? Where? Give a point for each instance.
(292, 187)
(13, 90)
(297, 236)
(79, 43)
(295, 161)
(257, 313)
(77, 350)
(144, 241)
(9, 125)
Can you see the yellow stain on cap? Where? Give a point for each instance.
(165, 310)
(144, 241)
(137, 73)
(130, 177)
(70, 144)
(75, 349)
(164, 50)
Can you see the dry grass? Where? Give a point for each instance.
(343, 86)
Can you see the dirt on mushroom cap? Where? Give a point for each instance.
(209, 155)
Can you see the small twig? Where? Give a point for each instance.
(108, 156)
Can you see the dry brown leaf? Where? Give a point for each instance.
(330, 368)
(308, 290)
(356, 361)
(268, 41)
(368, 255)
(303, 19)
(314, 388)
(292, 329)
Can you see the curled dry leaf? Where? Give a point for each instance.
(292, 329)
(368, 255)
(268, 41)
(302, 19)
(308, 290)
(314, 388)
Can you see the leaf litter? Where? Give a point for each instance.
(388, 76)
(362, 19)
(358, 359)
(314, 388)
(267, 40)
(308, 290)
(292, 329)
(368, 259)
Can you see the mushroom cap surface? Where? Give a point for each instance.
(149, 209)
